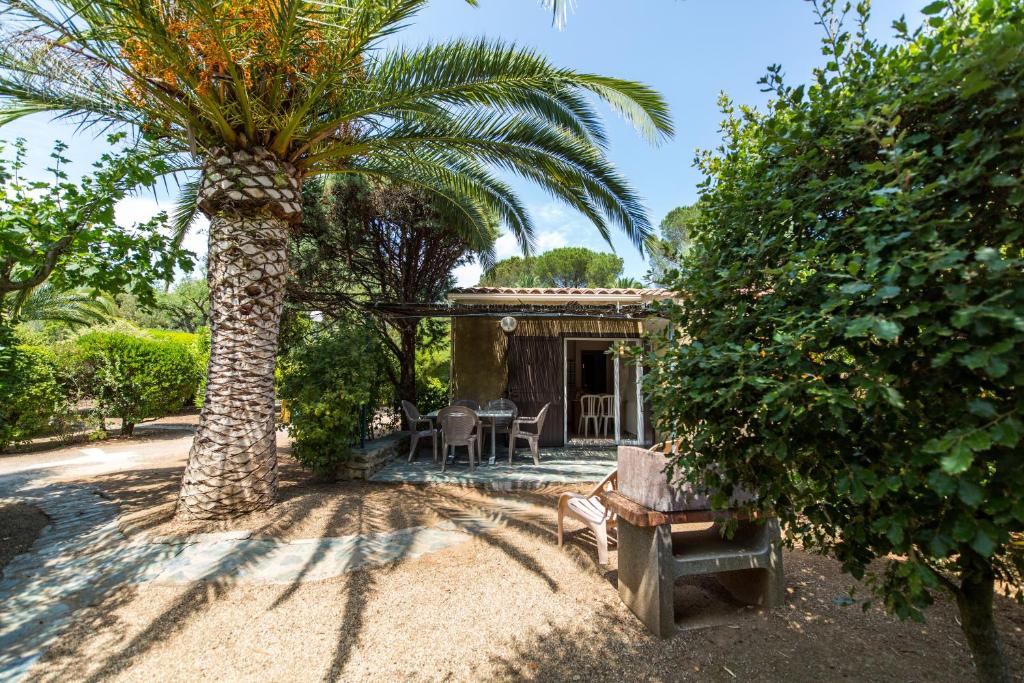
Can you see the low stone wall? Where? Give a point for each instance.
(373, 456)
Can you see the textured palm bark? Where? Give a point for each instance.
(251, 199)
(232, 467)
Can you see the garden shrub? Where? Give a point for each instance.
(186, 338)
(201, 352)
(325, 380)
(854, 302)
(33, 401)
(135, 377)
(433, 367)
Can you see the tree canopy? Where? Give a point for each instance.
(854, 345)
(562, 267)
(364, 242)
(64, 233)
(673, 241)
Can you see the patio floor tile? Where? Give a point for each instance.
(580, 465)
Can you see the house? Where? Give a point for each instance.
(547, 345)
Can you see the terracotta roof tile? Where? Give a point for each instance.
(562, 291)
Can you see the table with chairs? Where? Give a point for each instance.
(464, 424)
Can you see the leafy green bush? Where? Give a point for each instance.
(855, 302)
(32, 400)
(135, 377)
(201, 352)
(432, 377)
(177, 336)
(325, 380)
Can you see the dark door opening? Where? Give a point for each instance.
(594, 372)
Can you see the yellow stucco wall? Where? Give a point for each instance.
(479, 362)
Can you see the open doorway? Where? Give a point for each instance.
(593, 369)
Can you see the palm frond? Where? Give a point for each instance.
(46, 304)
(311, 81)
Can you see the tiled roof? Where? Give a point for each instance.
(562, 291)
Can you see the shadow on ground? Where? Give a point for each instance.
(507, 605)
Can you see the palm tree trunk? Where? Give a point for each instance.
(232, 467)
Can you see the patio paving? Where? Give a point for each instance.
(568, 465)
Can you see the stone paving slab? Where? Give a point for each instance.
(273, 561)
(557, 466)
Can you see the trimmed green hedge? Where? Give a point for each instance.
(33, 401)
(201, 352)
(135, 377)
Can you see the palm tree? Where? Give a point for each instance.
(260, 94)
(45, 304)
(628, 282)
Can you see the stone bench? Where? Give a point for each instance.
(652, 556)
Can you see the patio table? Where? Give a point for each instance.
(484, 414)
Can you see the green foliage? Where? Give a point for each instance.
(433, 375)
(185, 307)
(185, 338)
(325, 381)
(135, 377)
(201, 353)
(627, 282)
(64, 233)
(395, 246)
(562, 267)
(33, 401)
(514, 271)
(672, 243)
(55, 313)
(855, 306)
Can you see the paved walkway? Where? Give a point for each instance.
(581, 465)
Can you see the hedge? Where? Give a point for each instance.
(33, 401)
(136, 377)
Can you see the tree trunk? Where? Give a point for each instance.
(127, 428)
(407, 365)
(232, 467)
(975, 599)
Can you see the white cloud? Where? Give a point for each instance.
(506, 245)
(550, 240)
(553, 213)
(131, 210)
(468, 275)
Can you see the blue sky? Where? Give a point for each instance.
(689, 50)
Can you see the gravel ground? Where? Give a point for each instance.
(20, 526)
(506, 605)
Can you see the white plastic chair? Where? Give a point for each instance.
(607, 411)
(532, 437)
(589, 510)
(590, 413)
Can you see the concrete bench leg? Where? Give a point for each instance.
(647, 575)
(764, 587)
